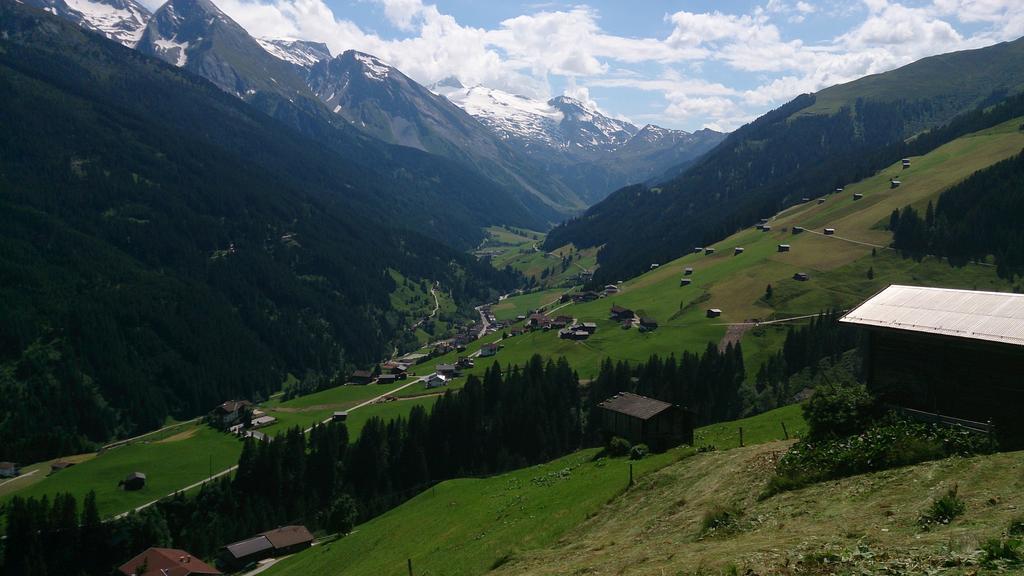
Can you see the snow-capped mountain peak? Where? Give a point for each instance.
(302, 53)
(588, 128)
(511, 116)
(122, 21)
(373, 68)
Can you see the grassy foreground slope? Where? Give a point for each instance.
(471, 525)
(860, 525)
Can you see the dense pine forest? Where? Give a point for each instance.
(977, 218)
(167, 247)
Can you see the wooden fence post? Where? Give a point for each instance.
(410, 566)
(741, 436)
(784, 431)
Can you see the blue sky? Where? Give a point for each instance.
(682, 65)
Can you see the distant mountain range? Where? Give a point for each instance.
(555, 157)
(804, 149)
(591, 152)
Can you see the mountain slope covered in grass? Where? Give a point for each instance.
(168, 247)
(838, 267)
(789, 154)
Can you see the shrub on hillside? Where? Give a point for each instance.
(619, 446)
(721, 520)
(638, 452)
(885, 445)
(999, 553)
(342, 515)
(838, 410)
(943, 509)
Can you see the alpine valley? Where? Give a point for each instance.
(272, 306)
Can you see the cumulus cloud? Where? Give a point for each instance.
(549, 46)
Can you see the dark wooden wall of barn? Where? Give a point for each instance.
(969, 379)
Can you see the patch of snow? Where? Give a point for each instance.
(295, 52)
(124, 25)
(167, 46)
(509, 115)
(376, 70)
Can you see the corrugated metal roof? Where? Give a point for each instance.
(991, 316)
(635, 405)
(249, 547)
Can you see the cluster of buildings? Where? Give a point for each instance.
(233, 557)
(239, 417)
(578, 331)
(628, 318)
(590, 295)
(387, 373)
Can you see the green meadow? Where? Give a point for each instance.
(472, 525)
(170, 463)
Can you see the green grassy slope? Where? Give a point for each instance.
(185, 455)
(170, 463)
(971, 75)
(736, 284)
(520, 249)
(468, 526)
(859, 525)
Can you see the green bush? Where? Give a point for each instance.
(619, 446)
(638, 452)
(1002, 553)
(880, 447)
(943, 509)
(341, 517)
(835, 411)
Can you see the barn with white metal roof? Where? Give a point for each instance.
(957, 353)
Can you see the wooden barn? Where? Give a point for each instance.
(134, 481)
(952, 353)
(271, 544)
(9, 470)
(639, 419)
